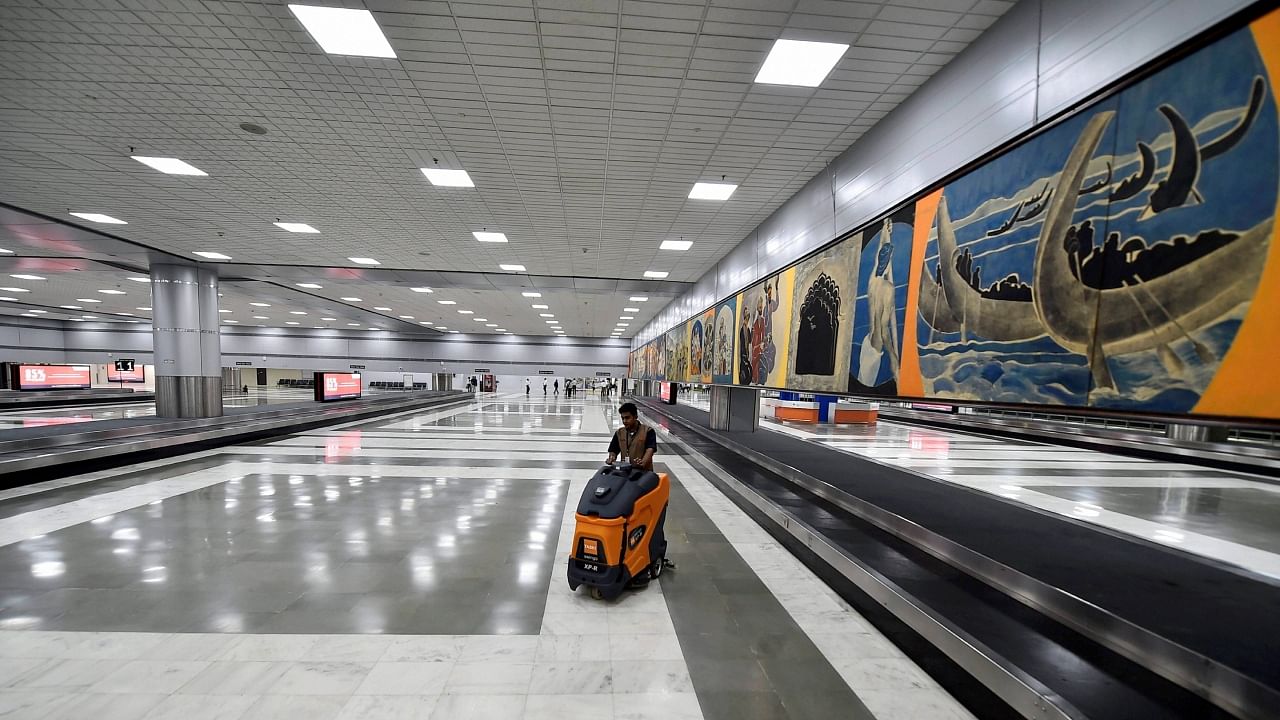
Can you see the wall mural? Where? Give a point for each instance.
(823, 318)
(677, 358)
(1122, 259)
(703, 327)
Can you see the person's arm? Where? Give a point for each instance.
(650, 447)
(613, 450)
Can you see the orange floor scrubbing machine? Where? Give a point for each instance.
(619, 540)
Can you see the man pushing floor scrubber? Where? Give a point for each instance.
(619, 541)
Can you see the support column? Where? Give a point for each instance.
(184, 331)
(736, 409)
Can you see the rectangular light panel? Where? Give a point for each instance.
(211, 255)
(296, 227)
(422, 290)
(99, 218)
(339, 31)
(675, 245)
(656, 274)
(799, 62)
(711, 191)
(512, 268)
(448, 178)
(169, 166)
(490, 236)
(364, 261)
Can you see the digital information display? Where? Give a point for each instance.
(136, 375)
(337, 386)
(54, 377)
(667, 391)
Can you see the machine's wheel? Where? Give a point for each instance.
(597, 593)
(656, 568)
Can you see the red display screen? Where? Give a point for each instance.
(337, 386)
(136, 375)
(664, 391)
(54, 377)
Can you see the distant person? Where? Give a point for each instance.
(634, 441)
(556, 385)
(526, 387)
(544, 389)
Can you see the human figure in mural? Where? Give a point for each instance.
(744, 347)
(819, 328)
(695, 349)
(763, 351)
(882, 335)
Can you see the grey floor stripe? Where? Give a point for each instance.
(746, 655)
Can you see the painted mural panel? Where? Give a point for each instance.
(660, 357)
(884, 272)
(1111, 260)
(763, 337)
(822, 318)
(722, 367)
(701, 346)
(677, 354)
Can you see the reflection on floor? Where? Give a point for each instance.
(1229, 517)
(413, 566)
(116, 411)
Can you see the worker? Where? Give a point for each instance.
(634, 441)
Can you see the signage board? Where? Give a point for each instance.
(546, 372)
(356, 367)
(244, 363)
(481, 370)
(336, 386)
(666, 391)
(54, 377)
(134, 374)
(124, 364)
(604, 374)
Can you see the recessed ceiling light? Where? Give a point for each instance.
(290, 322)
(531, 294)
(490, 237)
(339, 31)
(309, 286)
(88, 300)
(14, 289)
(169, 166)
(638, 298)
(552, 322)
(296, 227)
(448, 178)
(71, 307)
(481, 319)
(406, 317)
(626, 317)
(538, 307)
(422, 290)
(4, 251)
(38, 312)
(455, 332)
(364, 261)
(328, 319)
(512, 268)
(141, 279)
(501, 330)
(425, 322)
(466, 312)
(142, 308)
(261, 317)
(621, 324)
(546, 315)
(353, 324)
(630, 309)
(675, 245)
(26, 277)
(296, 312)
(657, 274)
(230, 321)
(113, 292)
(383, 308)
(492, 325)
(211, 255)
(352, 299)
(9, 299)
(799, 62)
(260, 304)
(99, 218)
(711, 191)
(447, 302)
(226, 311)
(441, 327)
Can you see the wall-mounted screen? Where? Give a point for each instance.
(53, 377)
(136, 375)
(337, 386)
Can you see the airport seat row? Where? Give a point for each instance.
(388, 385)
(296, 383)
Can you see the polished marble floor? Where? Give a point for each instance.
(412, 566)
(1228, 517)
(116, 411)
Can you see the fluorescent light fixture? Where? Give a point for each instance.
(309, 286)
(261, 317)
(88, 300)
(626, 317)
(99, 218)
(481, 319)
(425, 322)
(455, 332)
(113, 292)
(38, 312)
(638, 298)
(352, 299)
(290, 322)
(296, 227)
(142, 308)
(226, 311)
(531, 294)
(448, 178)
(364, 261)
(383, 308)
(4, 251)
(466, 312)
(501, 330)
(630, 309)
(260, 304)
(442, 328)
(492, 325)
(353, 324)
(141, 279)
(800, 62)
(169, 166)
(339, 31)
(675, 245)
(230, 321)
(490, 236)
(9, 299)
(656, 274)
(71, 307)
(296, 312)
(328, 319)
(546, 315)
(447, 302)
(26, 277)
(711, 191)
(89, 317)
(512, 268)
(538, 307)
(211, 255)
(422, 290)
(622, 325)
(14, 289)
(552, 322)
(406, 317)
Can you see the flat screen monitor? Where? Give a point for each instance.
(53, 377)
(136, 375)
(337, 386)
